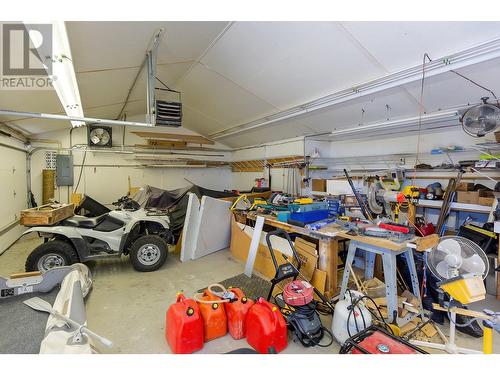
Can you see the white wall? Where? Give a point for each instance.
(105, 175)
(12, 190)
(287, 147)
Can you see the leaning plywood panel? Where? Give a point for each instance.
(215, 226)
(191, 227)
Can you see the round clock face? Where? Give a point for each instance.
(99, 136)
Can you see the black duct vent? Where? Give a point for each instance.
(168, 108)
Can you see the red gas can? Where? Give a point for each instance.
(214, 316)
(266, 328)
(236, 314)
(184, 326)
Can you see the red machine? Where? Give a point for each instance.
(266, 328)
(184, 326)
(236, 314)
(214, 316)
(374, 340)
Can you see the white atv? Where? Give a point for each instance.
(129, 230)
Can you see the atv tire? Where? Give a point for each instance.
(148, 253)
(51, 254)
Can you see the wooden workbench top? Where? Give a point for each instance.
(332, 231)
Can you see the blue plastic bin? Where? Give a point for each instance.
(309, 216)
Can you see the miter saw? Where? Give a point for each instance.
(386, 199)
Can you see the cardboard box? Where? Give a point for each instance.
(318, 185)
(497, 136)
(486, 198)
(471, 197)
(465, 186)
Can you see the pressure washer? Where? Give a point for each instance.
(296, 300)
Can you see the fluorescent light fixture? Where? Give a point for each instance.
(63, 72)
(427, 121)
(477, 54)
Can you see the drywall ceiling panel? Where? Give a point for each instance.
(170, 73)
(111, 87)
(449, 90)
(45, 101)
(219, 98)
(133, 108)
(288, 63)
(398, 45)
(275, 132)
(197, 121)
(37, 126)
(362, 111)
(106, 87)
(111, 45)
(184, 41)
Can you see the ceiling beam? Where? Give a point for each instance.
(480, 53)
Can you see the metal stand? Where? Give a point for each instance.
(390, 276)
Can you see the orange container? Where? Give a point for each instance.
(214, 317)
(236, 314)
(184, 326)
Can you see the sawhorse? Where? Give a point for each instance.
(390, 275)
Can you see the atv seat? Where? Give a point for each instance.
(83, 222)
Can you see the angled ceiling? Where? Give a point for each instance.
(234, 73)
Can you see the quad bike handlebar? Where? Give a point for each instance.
(127, 203)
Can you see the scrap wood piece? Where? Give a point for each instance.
(427, 242)
(305, 245)
(411, 299)
(167, 143)
(319, 281)
(189, 138)
(421, 327)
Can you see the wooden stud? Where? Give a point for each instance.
(183, 137)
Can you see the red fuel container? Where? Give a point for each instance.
(184, 326)
(236, 312)
(214, 317)
(266, 328)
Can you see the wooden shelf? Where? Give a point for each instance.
(455, 206)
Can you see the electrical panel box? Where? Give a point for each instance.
(64, 170)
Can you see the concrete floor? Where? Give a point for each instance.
(128, 307)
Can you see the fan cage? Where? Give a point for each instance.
(464, 242)
(470, 123)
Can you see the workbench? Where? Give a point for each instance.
(329, 237)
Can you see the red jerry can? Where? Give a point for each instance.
(266, 328)
(214, 317)
(236, 312)
(184, 326)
